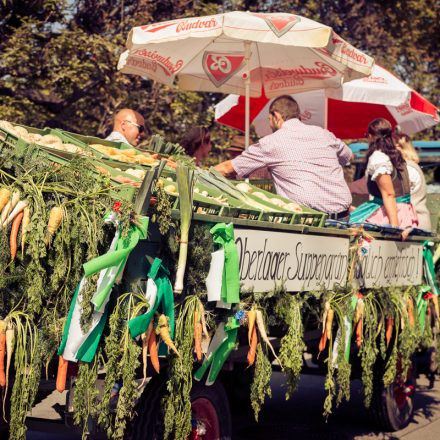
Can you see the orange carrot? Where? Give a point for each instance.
(389, 330)
(145, 338)
(14, 232)
(253, 347)
(61, 374)
(251, 316)
(5, 195)
(436, 306)
(165, 333)
(2, 353)
(152, 349)
(197, 336)
(410, 310)
(322, 342)
(359, 333)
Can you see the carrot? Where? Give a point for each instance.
(10, 334)
(262, 330)
(360, 307)
(2, 353)
(389, 330)
(165, 333)
(203, 319)
(17, 210)
(5, 212)
(324, 316)
(145, 339)
(15, 199)
(24, 227)
(55, 219)
(5, 195)
(329, 323)
(252, 347)
(152, 349)
(198, 336)
(436, 306)
(61, 374)
(359, 332)
(410, 311)
(322, 342)
(251, 316)
(14, 233)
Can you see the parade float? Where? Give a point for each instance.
(162, 294)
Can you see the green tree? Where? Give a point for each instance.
(58, 57)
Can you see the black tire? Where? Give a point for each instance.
(392, 407)
(148, 422)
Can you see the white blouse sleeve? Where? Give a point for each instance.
(414, 179)
(379, 163)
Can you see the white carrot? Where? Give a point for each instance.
(55, 219)
(15, 199)
(10, 333)
(5, 212)
(324, 317)
(17, 209)
(262, 330)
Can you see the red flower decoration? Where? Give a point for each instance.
(428, 295)
(117, 206)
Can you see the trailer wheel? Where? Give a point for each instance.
(392, 407)
(211, 418)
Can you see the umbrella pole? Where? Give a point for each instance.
(247, 84)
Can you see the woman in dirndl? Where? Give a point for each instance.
(388, 182)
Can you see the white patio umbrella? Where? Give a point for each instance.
(346, 111)
(244, 53)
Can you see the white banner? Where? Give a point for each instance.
(391, 263)
(297, 261)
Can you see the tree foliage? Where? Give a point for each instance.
(58, 57)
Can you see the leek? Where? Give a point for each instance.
(184, 177)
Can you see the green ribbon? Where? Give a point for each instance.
(367, 209)
(165, 298)
(117, 257)
(217, 359)
(430, 268)
(349, 328)
(223, 235)
(422, 306)
(87, 350)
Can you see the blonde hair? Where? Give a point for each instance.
(407, 149)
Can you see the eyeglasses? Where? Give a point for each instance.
(139, 127)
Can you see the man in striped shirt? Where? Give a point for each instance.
(305, 161)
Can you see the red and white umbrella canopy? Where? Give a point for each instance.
(346, 111)
(281, 53)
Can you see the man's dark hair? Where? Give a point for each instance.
(286, 106)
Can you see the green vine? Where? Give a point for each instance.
(260, 387)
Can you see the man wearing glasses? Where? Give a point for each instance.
(128, 127)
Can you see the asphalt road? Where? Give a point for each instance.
(298, 418)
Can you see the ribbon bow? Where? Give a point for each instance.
(223, 235)
(164, 298)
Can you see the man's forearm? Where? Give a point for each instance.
(226, 168)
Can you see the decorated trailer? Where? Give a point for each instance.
(160, 297)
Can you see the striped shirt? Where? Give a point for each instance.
(305, 163)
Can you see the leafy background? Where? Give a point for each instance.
(58, 57)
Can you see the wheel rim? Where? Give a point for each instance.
(206, 424)
(402, 393)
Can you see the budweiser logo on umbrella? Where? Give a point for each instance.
(220, 66)
(279, 23)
